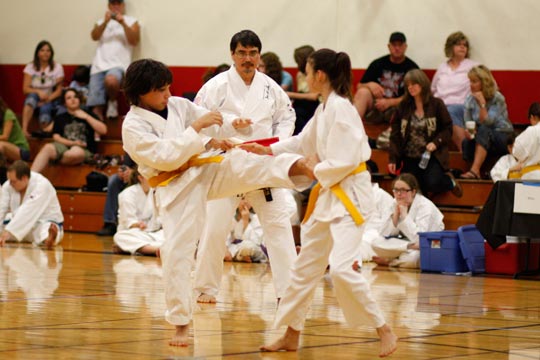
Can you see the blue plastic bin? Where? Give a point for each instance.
(471, 242)
(440, 252)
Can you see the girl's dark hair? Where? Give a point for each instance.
(534, 110)
(337, 66)
(41, 44)
(78, 95)
(273, 66)
(211, 72)
(301, 55)
(511, 139)
(408, 179)
(143, 76)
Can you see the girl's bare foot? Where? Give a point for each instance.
(206, 299)
(181, 336)
(288, 342)
(388, 340)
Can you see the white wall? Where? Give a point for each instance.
(503, 33)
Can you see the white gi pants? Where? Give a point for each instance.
(277, 232)
(395, 249)
(40, 232)
(336, 243)
(131, 240)
(183, 219)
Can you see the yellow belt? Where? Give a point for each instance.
(164, 178)
(525, 170)
(338, 191)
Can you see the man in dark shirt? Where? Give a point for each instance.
(381, 87)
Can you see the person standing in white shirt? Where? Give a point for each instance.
(117, 34)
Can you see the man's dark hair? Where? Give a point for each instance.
(143, 76)
(21, 169)
(246, 38)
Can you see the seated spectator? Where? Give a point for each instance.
(245, 242)
(270, 64)
(506, 164)
(211, 72)
(13, 143)
(73, 135)
(31, 199)
(527, 147)
(304, 102)
(381, 88)
(42, 86)
(486, 106)
(117, 182)
(451, 83)
(139, 230)
(422, 125)
(79, 82)
(411, 213)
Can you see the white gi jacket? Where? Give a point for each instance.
(336, 135)
(136, 206)
(423, 216)
(178, 142)
(500, 170)
(40, 204)
(527, 150)
(264, 102)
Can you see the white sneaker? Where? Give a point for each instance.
(112, 109)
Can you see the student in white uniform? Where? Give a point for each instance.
(245, 241)
(332, 230)
(31, 199)
(527, 146)
(411, 213)
(161, 134)
(506, 164)
(244, 92)
(139, 230)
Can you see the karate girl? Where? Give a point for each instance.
(161, 134)
(333, 232)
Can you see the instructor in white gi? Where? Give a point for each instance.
(244, 92)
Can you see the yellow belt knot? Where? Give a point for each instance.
(338, 191)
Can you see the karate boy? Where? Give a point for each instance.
(161, 134)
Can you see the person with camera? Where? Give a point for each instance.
(117, 34)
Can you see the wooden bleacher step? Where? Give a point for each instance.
(83, 211)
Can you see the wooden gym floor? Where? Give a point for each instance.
(81, 301)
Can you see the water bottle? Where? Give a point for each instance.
(424, 160)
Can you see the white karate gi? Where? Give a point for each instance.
(383, 207)
(330, 236)
(500, 170)
(135, 206)
(527, 150)
(158, 145)
(270, 109)
(31, 217)
(251, 240)
(422, 216)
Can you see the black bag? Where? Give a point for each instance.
(96, 181)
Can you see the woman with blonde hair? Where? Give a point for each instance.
(486, 106)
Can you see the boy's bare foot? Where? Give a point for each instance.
(53, 231)
(206, 299)
(181, 336)
(380, 261)
(388, 340)
(288, 342)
